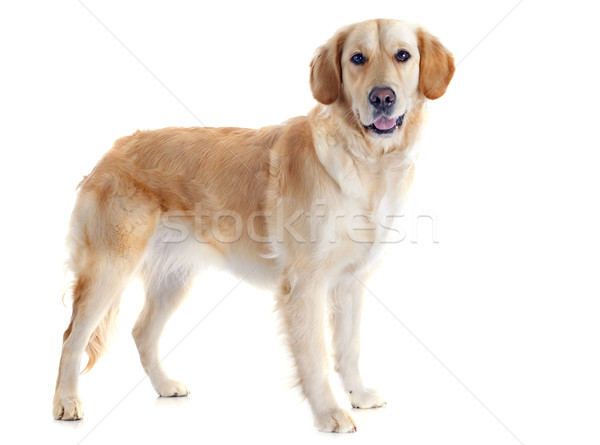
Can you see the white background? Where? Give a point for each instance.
(506, 302)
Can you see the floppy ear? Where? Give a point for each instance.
(326, 70)
(436, 67)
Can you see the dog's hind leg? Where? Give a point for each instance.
(166, 288)
(95, 305)
(107, 242)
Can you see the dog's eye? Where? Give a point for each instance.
(402, 56)
(358, 59)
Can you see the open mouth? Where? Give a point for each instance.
(385, 125)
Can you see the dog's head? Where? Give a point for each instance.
(377, 71)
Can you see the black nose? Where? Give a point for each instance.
(382, 98)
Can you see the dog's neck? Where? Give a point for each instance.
(356, 160)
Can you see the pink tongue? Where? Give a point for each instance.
(383, 123)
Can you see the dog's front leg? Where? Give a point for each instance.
(302, 304)
(346, 313)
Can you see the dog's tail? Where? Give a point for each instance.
(114, 217)
(95, 302)
(105, 245)
(100, 338)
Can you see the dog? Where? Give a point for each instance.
(296, 207)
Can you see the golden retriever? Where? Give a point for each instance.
(298, 207)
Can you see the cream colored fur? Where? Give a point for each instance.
(298, 207)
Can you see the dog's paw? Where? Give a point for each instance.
(67, 408)
(335, 421)
(171, 388)
(366, 398)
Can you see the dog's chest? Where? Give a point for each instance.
(372, 202)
